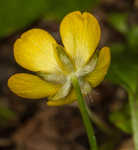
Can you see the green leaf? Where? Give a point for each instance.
(6, 114)
(119, 21)
(121, 119)
(16, 14)
(64, 7)
(124, 69)
(117, 48)
(133, 100)
(132, 38)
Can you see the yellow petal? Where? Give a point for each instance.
(68, 100)
(31, 86)
(35, 51)
(102, 66)
(80, 35)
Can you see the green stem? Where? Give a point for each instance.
(84, 113)
(133, 101)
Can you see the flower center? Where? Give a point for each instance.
(66, 79)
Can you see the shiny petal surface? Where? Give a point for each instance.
(31, 86)
(102, 66)
(34, 51)
(68, 100)
(80, 35)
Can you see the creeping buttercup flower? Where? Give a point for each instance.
(54, 65)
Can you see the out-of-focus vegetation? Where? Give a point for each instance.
(5, 115)
(124, 68)
(16, 14)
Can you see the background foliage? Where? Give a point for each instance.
(16, 14)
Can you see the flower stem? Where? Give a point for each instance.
(133, 101)
(84, 113)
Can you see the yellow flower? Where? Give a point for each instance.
(54, 65)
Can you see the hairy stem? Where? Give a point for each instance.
(133, 101)
(85, 116)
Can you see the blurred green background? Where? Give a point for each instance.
(16, 14)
